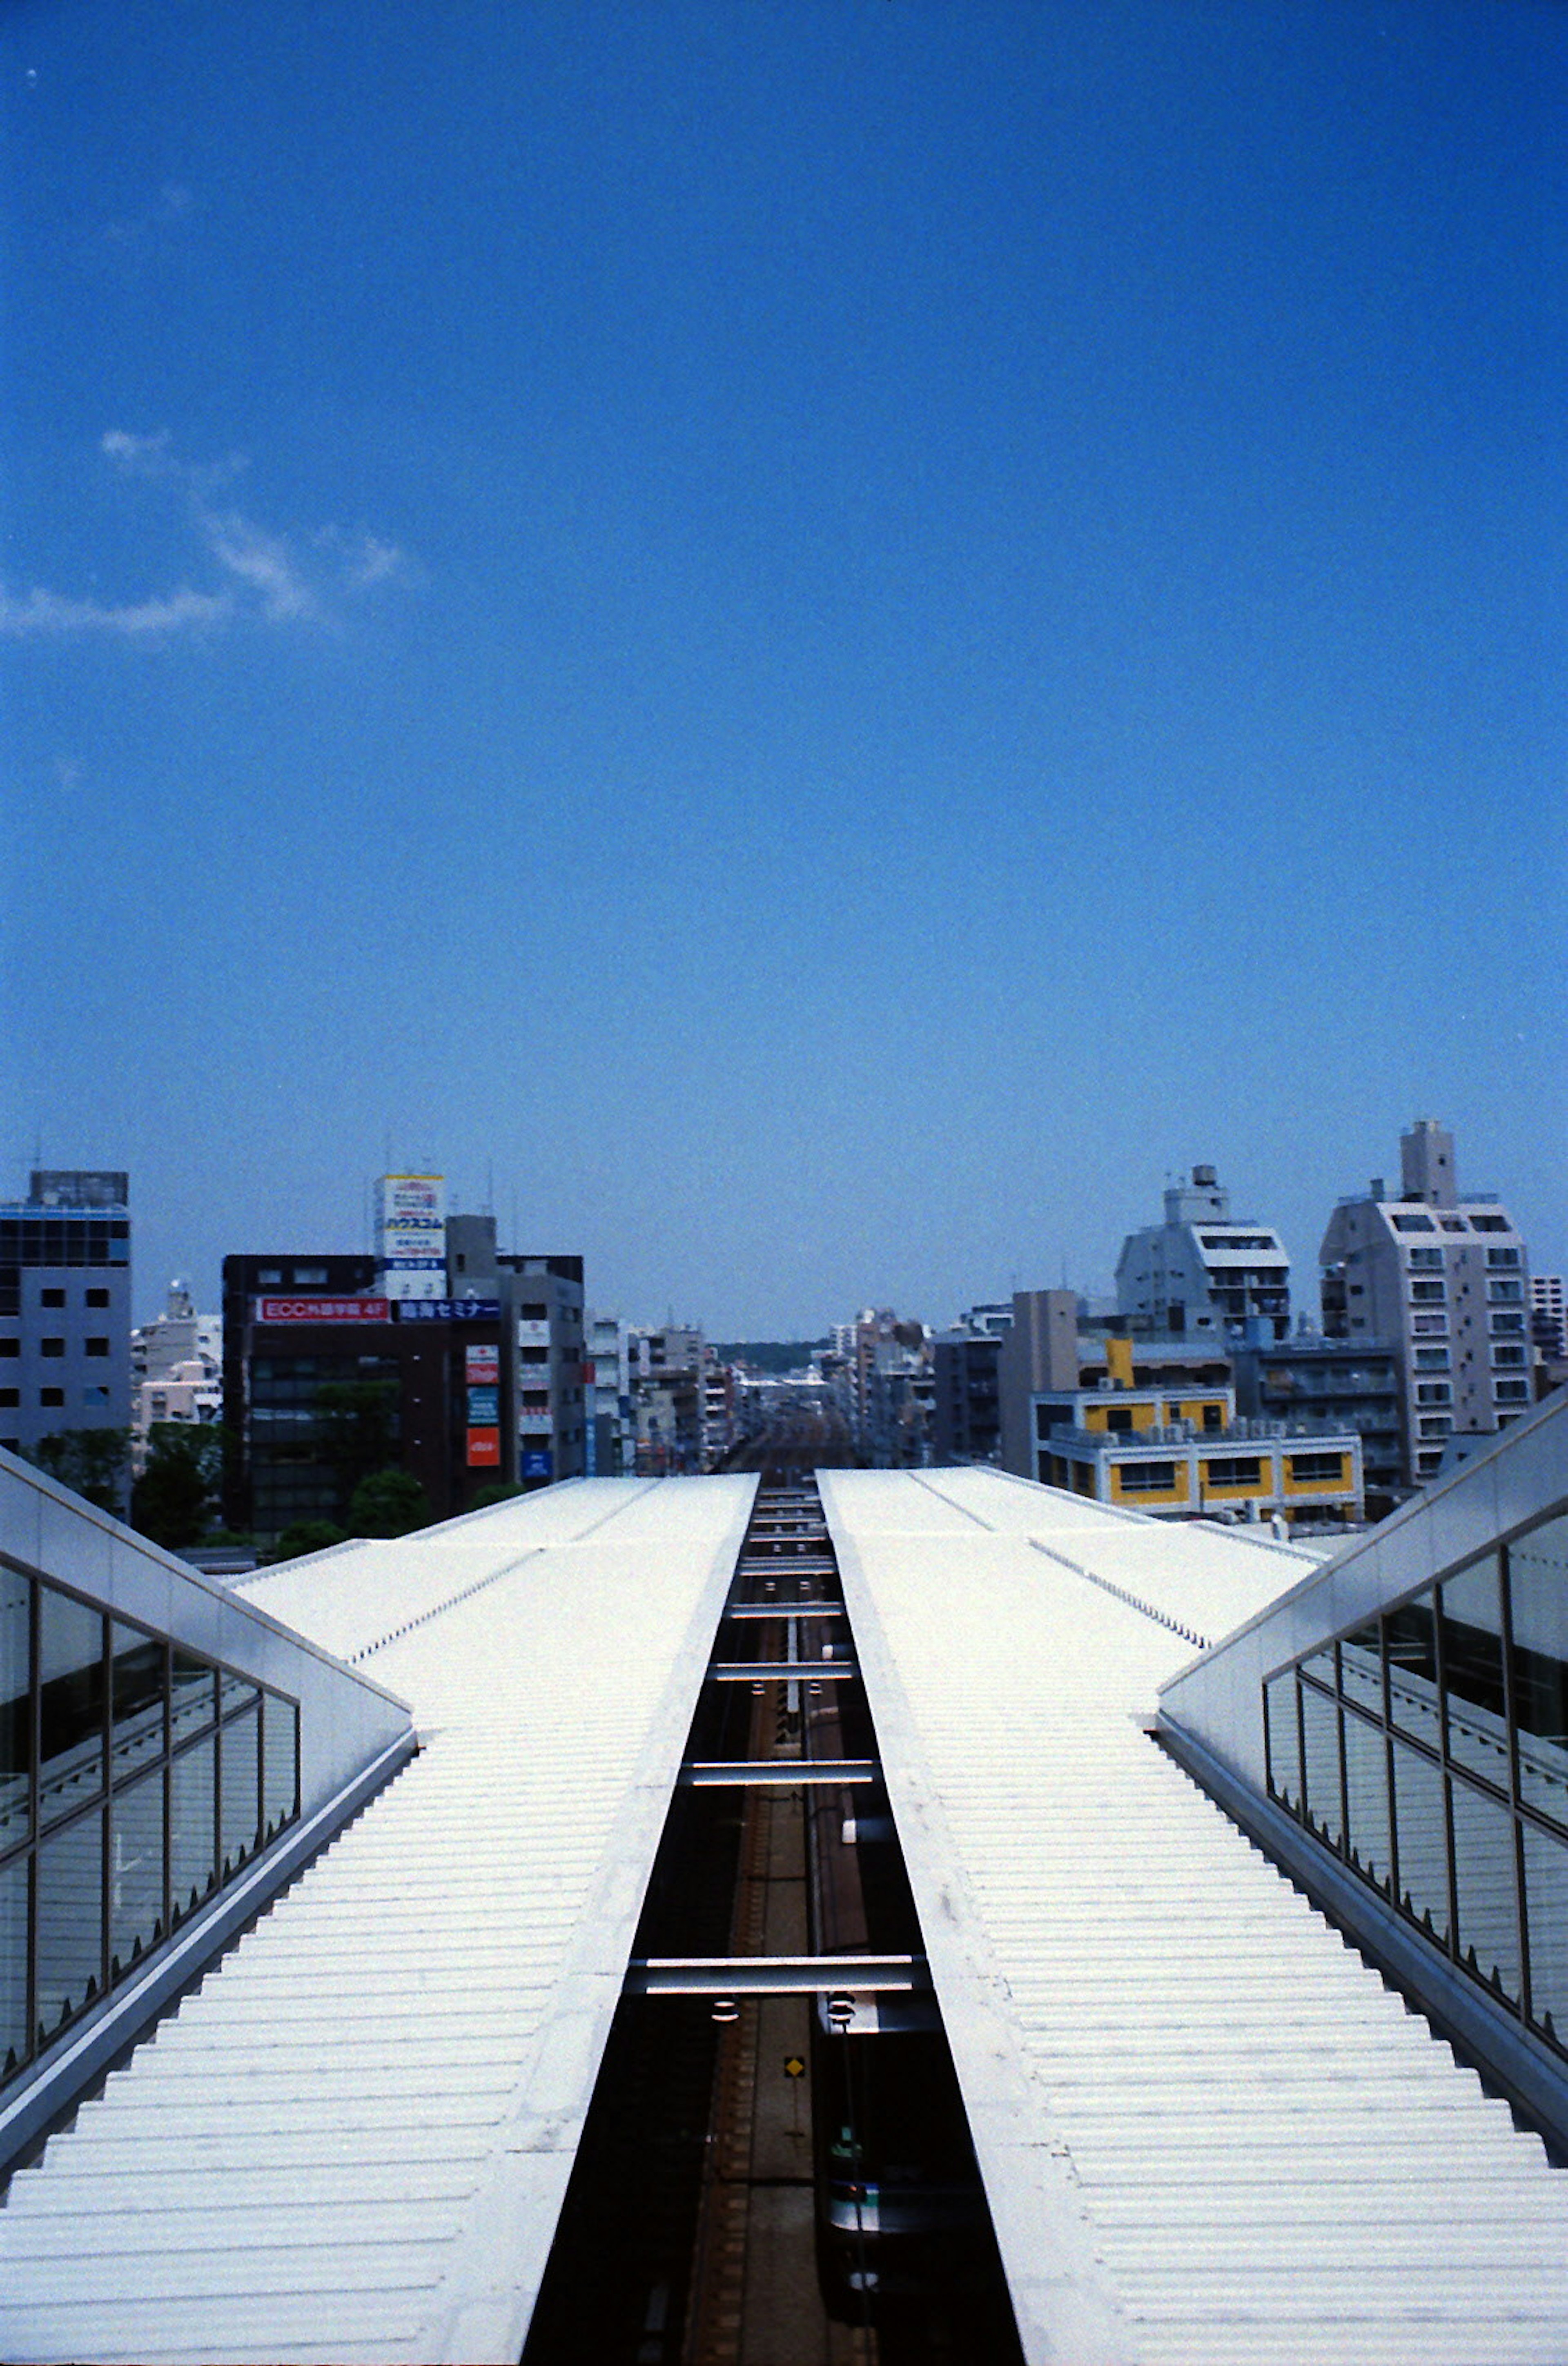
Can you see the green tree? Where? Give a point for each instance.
(305, 1537)
(357, 1422)
(494, 1491)
(92, 1462)
(387, 1504)
(173, 1498)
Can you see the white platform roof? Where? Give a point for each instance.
(354, 2140)
(1208, 2132)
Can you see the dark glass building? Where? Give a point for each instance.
(66, 1306)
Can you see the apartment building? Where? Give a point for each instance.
(1444, 1280)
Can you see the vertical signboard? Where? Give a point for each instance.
(411, 1236)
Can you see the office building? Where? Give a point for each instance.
(609, 1431)
(1549, 1316)
(1203, 1273)
(1182, 1453)
(1444, 1281)
(1047, 1349)
(177, 1369)
(966, 1415)
(326, 1381)
(65, 1307)
(1338, 1384)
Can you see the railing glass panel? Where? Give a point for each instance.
(193, 1826)
(136, 1871)
(16, 1710)
(69, 1921)
(14, 2047)
(70, 1704)
(83, 1902)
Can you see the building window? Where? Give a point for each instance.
(52, 1347)
(1436, 1424)
(51, 1298)
(1504, 1293)
(1147, 1478)
(97, 1298)
(1232, 1471)
(1491, 1224)
(1508, 1326)
(1425, 1261)
(533, 1354)
(97, 1395)
(1508, 1352)
(1408, 1223)
(1315, 1469)
(10, 1347)
(50, 1398)
(1434, 1392)
(1511, 1391)
(10, 1396)
(1501, 1257)
(1429, 1326)
(1428, 1293)
(1432, 1360)
(309, 1277)
(534, 1313)
(97, 1346)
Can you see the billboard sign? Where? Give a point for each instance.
(323, 1310)
(484, 1407)
(537, 1463)
(410, 1235)
(482, 1363)
(484, 1449)
(449, 1310)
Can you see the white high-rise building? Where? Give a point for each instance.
(1445, 1281)
(1204, 1273)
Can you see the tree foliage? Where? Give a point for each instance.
(172, 1500)
(306, 1537)
(495, 1490)
(91, 1462)
(387, 1504)
(357, 1424)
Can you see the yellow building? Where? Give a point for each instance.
(1181, 1451)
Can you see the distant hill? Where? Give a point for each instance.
(770, 1354)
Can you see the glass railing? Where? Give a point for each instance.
(1427, 1750)
(137, 1778)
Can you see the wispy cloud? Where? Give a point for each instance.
(261, 576)
(171, 204)
(46, 613)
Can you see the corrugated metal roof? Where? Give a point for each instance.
(353, 2141)
(1208, 2132)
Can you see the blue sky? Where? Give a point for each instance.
(804, 643)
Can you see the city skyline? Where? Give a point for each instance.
(358, 1235)
(826, 640)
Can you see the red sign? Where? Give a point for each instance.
(483, 1364)
(323, 1310)
(484, 1448)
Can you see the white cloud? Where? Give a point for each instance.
(264, 578)
(262, 561)
(47, 611)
